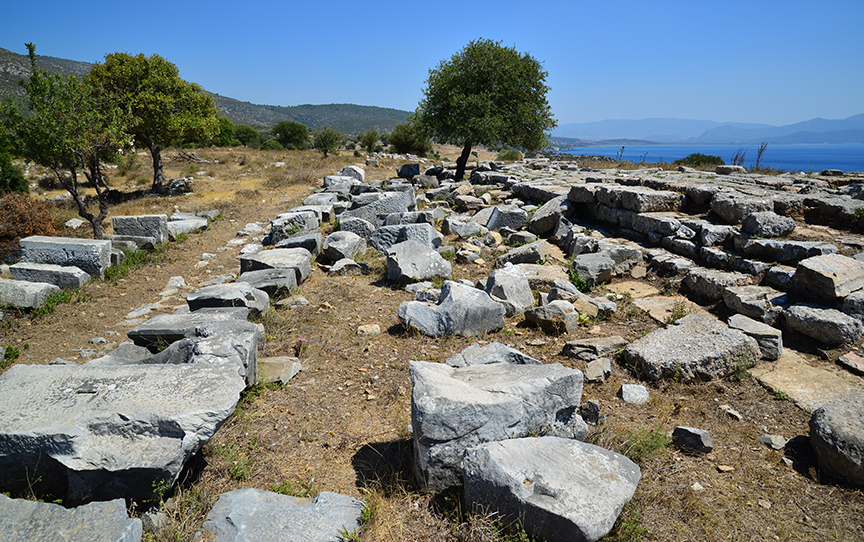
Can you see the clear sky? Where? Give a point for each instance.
(773, 62)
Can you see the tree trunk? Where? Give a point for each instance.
(462, 161)
(156, 155)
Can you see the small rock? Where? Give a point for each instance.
(697, 487)
(691, 439)
(293, 301)
(369, 329)
(731, 412)
(590, 412)
(97, 340)
(775, 442)
(635, 394)
(852, 362)
(725, 468)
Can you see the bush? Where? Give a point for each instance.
(272, 145)
(327, 140)
(22, 216)
(368, 140)
(509, 155)
(247, 136)
(11, 179)
(407, 138)
(292, 135)
(225, 137)
(698, 159)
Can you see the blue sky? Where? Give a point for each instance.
(774, 62)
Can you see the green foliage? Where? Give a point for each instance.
(248, 136)
(287, 488)
(487, 94)
(225, 137)
(291, 135)
(11, 178)
(679, 311)
(408, 137)
(644, 443)
(12, 354)
(272, 145)
(742, 368)
(580, 283)
(133, 260)
(780, 396)
(327, 140)
(629, 528)
(368, 139)
(63, 296)
(698, 159)
(510, 155)
(239, 465)
(159, 107)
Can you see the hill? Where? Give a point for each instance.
(348, 118)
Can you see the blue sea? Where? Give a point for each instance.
(847, 158)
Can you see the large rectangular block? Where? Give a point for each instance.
(23, 294)
(65, 277)
(829, 277)
(93, 256)
(155, 226)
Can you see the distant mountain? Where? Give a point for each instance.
(683, 131)
(654, 129)
(348, 118)
(839, 131)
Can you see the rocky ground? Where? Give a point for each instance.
(342, 424)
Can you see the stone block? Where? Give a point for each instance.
(65, 278)
(155, 226)
(92, 256)
(24, 294)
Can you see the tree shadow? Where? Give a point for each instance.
(385, 466)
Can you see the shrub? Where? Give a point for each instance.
(327, 140)
(368, 140)
(292, 135)
(11, 178)
(247, 135)
(407, 137)
(22, 216)
(698, 159)
(509, 155)
(272, 145)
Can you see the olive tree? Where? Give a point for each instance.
(368, 139)
(327, 140)
(64, 125)
(160, 106)
(408, 137)
(486, 94)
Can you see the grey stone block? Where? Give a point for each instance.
(557, 489)
(95, 522)
(461, 310)
(66, 278)
(453, 409)
(25, 295)
(92, 256)
(837, 436)
(493, 352)
(770, 339)
(155, 226)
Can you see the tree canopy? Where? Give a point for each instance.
(327, 140)
(160, 106)
(408, 137)
(66, 125)
(486, 94)
(291, 135)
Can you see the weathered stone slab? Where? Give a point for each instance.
(542, 277)
(696, 347)
(547, 217)
(278, 369)
(377, 211)
(386, 236)
(413, 261)
(507, 216)
(453, 409)
(343, 244)
(178, 227)
(733, 206)
(786, 251)
(557, 316)
(837, 437)
(23, 520)
(66, 278)
(155, 226)
(493, 352)
(829, 277)
(593, 348)
(767, 224)
(559, 490)
(291, 223)
(761, 303)
(93, 256)
(709, 283)
(461, 310)
(536, 252)
(24, 294)
(298, 259)
(311, 241)
(807, 385)
(646, 200)
(770, 339)
(828, 326)
(247, 515)
(270, 280)
(656, 223)
(509, 286)
(99, 433)
(237, 294)
(361, 227)
(167, 328)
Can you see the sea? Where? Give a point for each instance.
(806, 158)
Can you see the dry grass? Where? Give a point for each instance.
(342, 424)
